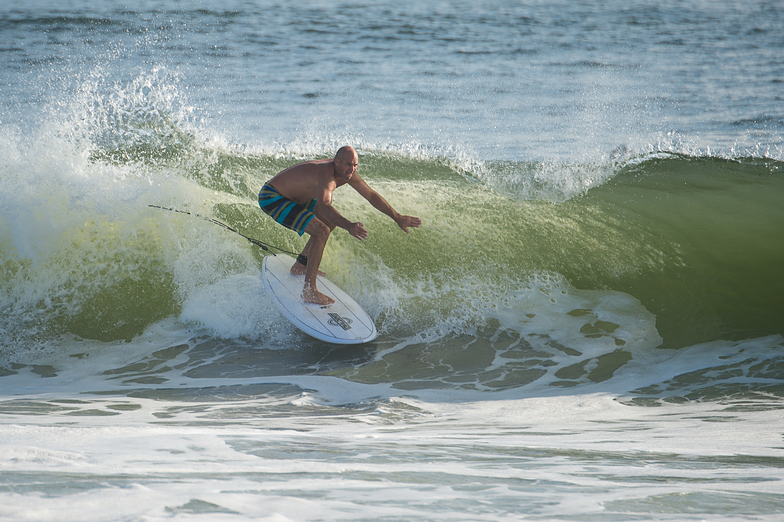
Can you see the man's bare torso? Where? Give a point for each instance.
(300, 183)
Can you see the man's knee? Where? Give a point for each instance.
(318, 230)
(330, 225)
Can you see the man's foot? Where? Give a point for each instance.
(298, 269)
(309, 295)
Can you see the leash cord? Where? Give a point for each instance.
(264, 246)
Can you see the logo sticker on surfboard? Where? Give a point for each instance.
(338, 320)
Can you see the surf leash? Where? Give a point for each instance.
(264, 246)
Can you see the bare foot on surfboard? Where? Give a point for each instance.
(298, 269)
(310, 295)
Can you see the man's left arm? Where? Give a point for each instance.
(375, 199)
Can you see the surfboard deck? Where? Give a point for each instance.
(344, 322)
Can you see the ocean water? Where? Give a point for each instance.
(587, 327)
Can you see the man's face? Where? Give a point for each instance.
(348, 166)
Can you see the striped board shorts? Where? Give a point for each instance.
(288, 213)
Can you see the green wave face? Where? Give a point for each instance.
(694, 240)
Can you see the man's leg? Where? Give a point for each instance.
(298, 268)
(319, 234)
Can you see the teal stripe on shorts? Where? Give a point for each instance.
(288, 213)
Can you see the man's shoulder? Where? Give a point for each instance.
(319, 167)
(311, 168)
(320, 163)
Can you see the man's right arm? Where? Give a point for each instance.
(324, 208)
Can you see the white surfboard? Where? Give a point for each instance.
(343, 322)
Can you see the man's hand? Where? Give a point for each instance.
(404, 222)
(358, 230)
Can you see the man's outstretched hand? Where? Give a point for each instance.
(406, 222)
(358, 231)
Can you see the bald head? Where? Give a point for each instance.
(345, 153)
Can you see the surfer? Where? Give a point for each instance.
(300, 198)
